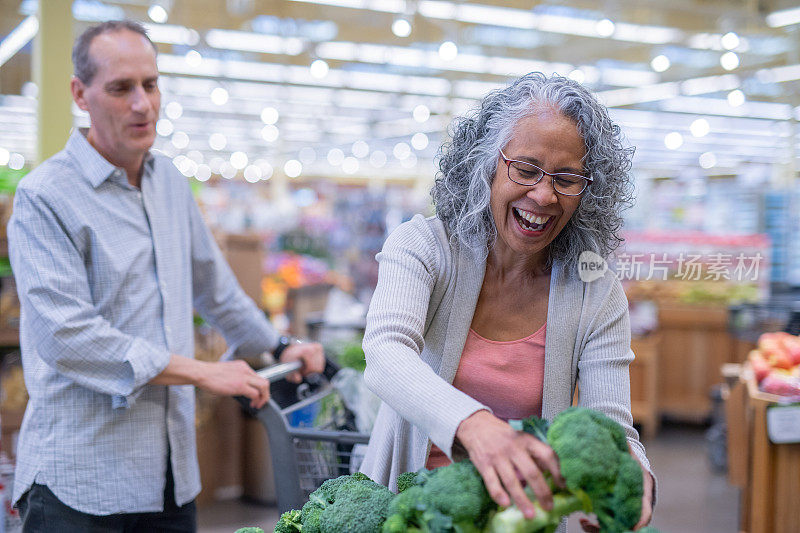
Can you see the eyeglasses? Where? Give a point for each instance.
(528, 174)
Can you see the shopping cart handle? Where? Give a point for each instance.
(279, 371)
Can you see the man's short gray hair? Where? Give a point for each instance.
(468, 162)
(84, 66)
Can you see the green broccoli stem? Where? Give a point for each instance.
(511, 519)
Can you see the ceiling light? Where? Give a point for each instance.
(401, 150)
(784, 17)
(252, 174)
(319, 69)
(269, 115)
(172, 34)
(448, 51)
(673, 140)
(180, 140)
(238, 160)
(217, 141)
(270, 133)
(219, 96)
(660, 63)
(203, 173)
(193, 58)
(421, 113)
(729, 41)
(254, 42)
(265, 167)
(16, 161)
(700, 127)
(736, 98)
(419, 141)
(164, 127)
(577, 75)
(195, 155)
(401, 27)
(18, 38)
(173, 110)
(350, 165)
(335, 157)
(605, 28)
(227, 171)
(409, 162)
(216, 164)
(293, 168)
(377, 159)
(707, 160)
(4, 156)
(360, 149)
(157, 13)
(729, 60)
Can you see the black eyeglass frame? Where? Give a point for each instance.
(586, 179)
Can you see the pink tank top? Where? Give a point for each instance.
(506, 376)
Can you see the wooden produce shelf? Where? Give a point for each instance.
(767, 473)
(644, 384)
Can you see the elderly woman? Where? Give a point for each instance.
(480, 315)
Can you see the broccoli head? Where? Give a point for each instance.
(360, 507)
(289, 522)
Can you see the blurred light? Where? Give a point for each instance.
(203, 173)
(180, 140)
(252, 174)
(4, 156)
(219, 96)
(227, 170)
(377, 159)
(319, 69)
(729, 41)
(293, 168)
(360, 149)
(707, 159)
(265, 167)
(578, 75)
(700, 127)
(186, 166)
(335, 157)
(307, 155)
(660, 63)
(173, 110)
(216, 164)
(419, 141)
(254, 42)
(238, 160)
(422, 113)
(270, 133)
(16, 161)
(673, 140)
(729, 60)
(401, 150)
(269, 115)
(157, 14)
(193, 58)
(448, 51)
(401, 27)
(18, 38)
(409, 162)
(736, 98)
(350, 165)
(784, 17)
(164, 127)
(217, 141)
(605, 28)
(172, 34)
(29, 89)
(195, 156)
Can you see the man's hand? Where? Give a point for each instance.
(312, 356)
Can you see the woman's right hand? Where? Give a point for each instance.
(504, 457)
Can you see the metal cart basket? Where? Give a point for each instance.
(304, 457)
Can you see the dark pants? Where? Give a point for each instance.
(43, 512)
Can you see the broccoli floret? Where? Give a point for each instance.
(325, 496)
(360, 507)
(289, 522)
(250, 529)
(406, 480)
(600, 474)
(449, 499)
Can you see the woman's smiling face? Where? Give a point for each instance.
(528, 219)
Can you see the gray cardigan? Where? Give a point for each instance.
(417, 325)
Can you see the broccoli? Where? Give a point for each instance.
(289, 522)
(452, 498)
(601, 475)
(250, 530)
(406, 480)
(347, 503)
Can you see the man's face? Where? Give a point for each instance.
(122, 99)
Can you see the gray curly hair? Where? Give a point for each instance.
(468, 162)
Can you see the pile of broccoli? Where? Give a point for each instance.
(602, 478)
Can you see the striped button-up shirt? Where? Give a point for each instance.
(108, 276)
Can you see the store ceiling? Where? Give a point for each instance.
(229, 66)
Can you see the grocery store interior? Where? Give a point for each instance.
(309, 129)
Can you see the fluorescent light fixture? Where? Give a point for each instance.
(638, 95)
(157, 13)
(386, 6)
(783, 74)
(710, 84)
(401, 27)
(784, 17)
(172, 34)
(660, 63)
(254, 42)
(18, 38)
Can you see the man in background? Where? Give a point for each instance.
(111, 258)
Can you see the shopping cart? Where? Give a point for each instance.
(304, 457)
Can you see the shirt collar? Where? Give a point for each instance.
(94, 166)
